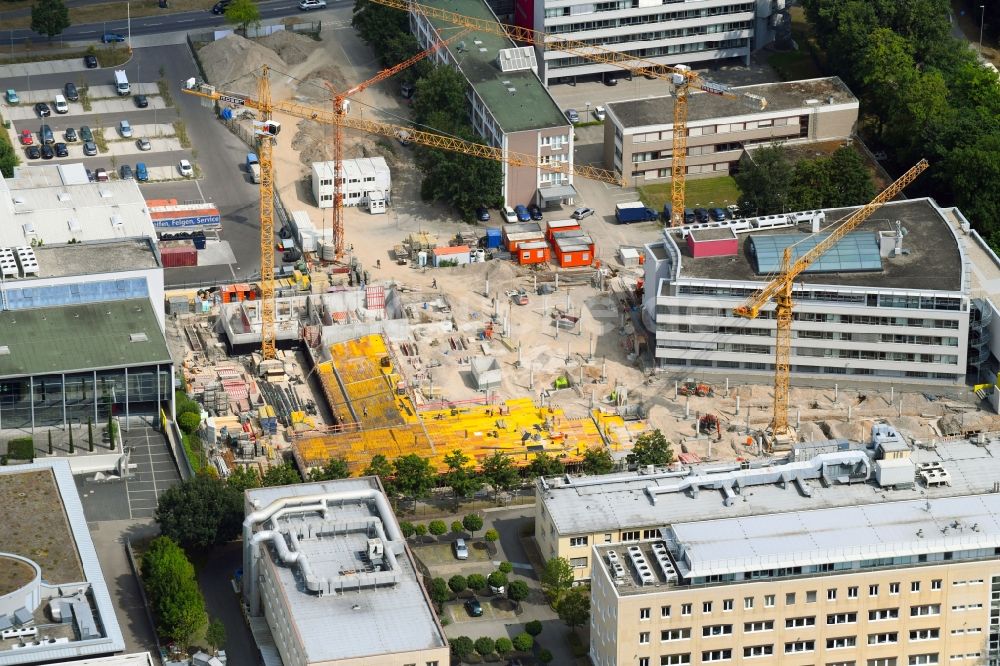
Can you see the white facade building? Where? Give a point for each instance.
(891, 302)
(363, 178)
(670, 32)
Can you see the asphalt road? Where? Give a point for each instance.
(222, 603)
(148, 25)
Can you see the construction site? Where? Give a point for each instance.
(378, 342)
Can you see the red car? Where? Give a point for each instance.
(26, 138)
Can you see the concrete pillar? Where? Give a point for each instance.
(557, 280)
(727, 385)
(687, 408)
(892, 394)
(676, 391)
(736, 411)
(798, 418)
(850, 408)
(836, 393)
(531, 377)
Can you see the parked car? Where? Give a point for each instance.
(70, 135)
(112, 37)
(141, 173)
(460, 549)
(407, 88)
(220, 7)
(91, 62)
(11, 96)
(689, 216)
(72, 94)
(61, 150)
(581, 213)
(701, 214)
(141, 101)
(27, 138)
(306, 5)
(61, 105)
(482, 214)
(42, 109)
(89, 148)
(32, 152)
(101, 175)
(522, 213)
(474, 608)
(125, 128)
(45, 135)
(610, 79)
(572, 115)
(186, 169)
(47, 152)
(599, 113)
(86, 134)
(144, 145)
(717, 214)
(126, 172)
(509, 215)
(535, 212)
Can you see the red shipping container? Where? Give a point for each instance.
(176, 254)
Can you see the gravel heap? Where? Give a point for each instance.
(229, 63)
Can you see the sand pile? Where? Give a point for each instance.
(229, 63)
(313, 89)
(290, 47)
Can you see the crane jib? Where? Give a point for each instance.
(232, 100)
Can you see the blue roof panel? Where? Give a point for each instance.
(856, 252)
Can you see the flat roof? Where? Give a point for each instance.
(113, 256)
(711, 234)
(530, 107)
(44, 522)
(376, 620)
(615, 502)
(50, 203)
(931, 261)
(71, 338)
(842, 534)
(781, 97)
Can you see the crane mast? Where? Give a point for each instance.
(264, 140)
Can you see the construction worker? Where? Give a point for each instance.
(378, 263)
(434, 283)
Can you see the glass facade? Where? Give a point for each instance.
(55, 400)
(22, 298)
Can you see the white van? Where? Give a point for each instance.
(121, 82)
(61, 105)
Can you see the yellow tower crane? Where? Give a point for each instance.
(681, 76)
(780, 290)
(265, 130)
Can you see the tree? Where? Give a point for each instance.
(336, 468)
(545, 465)
(473, 522)
(90, 434)
(243, 478)
(492, 536)
(420, 530)
(457, 527)
(414, 476)
(462, 646)
(497, 579)
(379, 25)
(500, 472)
(534, 627)
(523, 642)
(281, 475)
(485, 646)
(504, 646)
(506, 567)
(652, 448)
(189, 422)
(406, 527)
(574, 607)
(476, 582)
(8, 158)
(457, 583)
(763, 180)
(49, 17)
(440, 592)
(200, 513)
(518, 591)
(557, 577)
(175, 599)
(545, 656)
(215, 635)
(442, 93)
(382, 468)
(598, 460)
(437, 527)
(242, 13)
(460, 477)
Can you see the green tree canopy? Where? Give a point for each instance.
(485, 646)
(574, 607)
(440, 592)
(462, 646)
(598, 460)
(243, 13)
(336, 468)
(437, 527)
(523, 642)
(457, 583)
(652, 448)
(473, 522)
(545, 465)
(200, 513)
(382, 468)
(281, 475)
(49, 17)
(215, 634)
(243, 478)
(175, 598)
(461, 477)
(557, 576)
(414, 476)
(500, 472)
(504, 646)
(518, 591)
(476, 582)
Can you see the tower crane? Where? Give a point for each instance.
(780, 290)
(681, 76)
(267, 129)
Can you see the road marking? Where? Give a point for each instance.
(154, 24)
(187, 21)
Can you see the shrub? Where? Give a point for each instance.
(462, 646)
(473, 522)
(504, 646)
(457, 527)
(534, 627)
(485, 645)
(21, 448)
(497, 579)
(545, 656)
(438, 527)
(189, 422)
(523, 642)
(420, 530)
(506, 567)
(518, 591)
(406, 528)
(439, 591)
(476, 582)
(457, 583)
(492, 535)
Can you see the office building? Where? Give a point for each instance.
(694, 32)
(54, 603)
(327, 570)
(638, 134)
(363, 178)
(889, 303)
(509, 106)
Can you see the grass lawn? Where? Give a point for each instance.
(700, 193)
(105, 11)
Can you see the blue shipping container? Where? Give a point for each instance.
(493, 237)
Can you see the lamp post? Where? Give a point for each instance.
(982, 17)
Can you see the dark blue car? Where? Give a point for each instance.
(717, 214)
(110, 37)
(482, 214)
(522, 213)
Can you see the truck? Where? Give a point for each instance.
(121, 82)
(629, 204)
(253, 167)
(641, 214)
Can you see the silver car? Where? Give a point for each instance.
(461, 550)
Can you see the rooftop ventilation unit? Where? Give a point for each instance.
(663, 559)
(4, 350)
(117, 222)
(933, 475)
(517, 59)
(74, 224)
(641, 565)
(27, 261)
(138, 337)
(8, 265)
(64, 196)
(105, 194)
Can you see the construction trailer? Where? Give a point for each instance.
(553, 226)
(534, 252)
(573, 251)
(458, 254)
